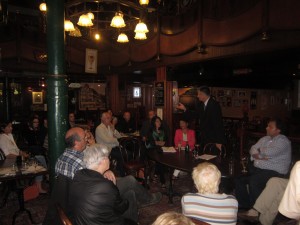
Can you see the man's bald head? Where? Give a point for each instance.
(75, 139)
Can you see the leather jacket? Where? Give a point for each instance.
(96, 200)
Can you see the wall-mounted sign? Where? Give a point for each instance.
(159, 94)
(137, 92)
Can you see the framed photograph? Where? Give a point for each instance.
(37, 97)
(92, 96)
(137, 92)
(91, 59)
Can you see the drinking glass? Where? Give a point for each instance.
(179, 146)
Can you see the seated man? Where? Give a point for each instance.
(271, 157)
(208, 205)
(95, 199)
(107, 135)
(126, 124)
(72, 160)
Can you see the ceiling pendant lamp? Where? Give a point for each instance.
(144, 2)
(69, 26)
(85, 21)
(140, 36)
(97, 36)
(91, 15)
(122, 38)
(75, 33)
(141, 28)
(118, 21)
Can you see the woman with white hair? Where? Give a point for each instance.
(208, 205)
(95, 199)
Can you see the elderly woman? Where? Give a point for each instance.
(91, 191)
(208, 205)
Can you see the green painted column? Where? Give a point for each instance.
(57, 92)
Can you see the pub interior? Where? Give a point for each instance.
(246, 52)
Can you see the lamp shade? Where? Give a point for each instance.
(144, 2)
(43, 7)
(140, 36)
(91, 15)
(69, 26)
(85, 21)
(118, 21)
(141, 28)
(122, 38)
(75, 33)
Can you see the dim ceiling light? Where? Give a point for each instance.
(118, 21)
(97, 36)
(140, 36)
(85, 21)
(69, 26)
(122, 38)
(144, 2)
(43, 7)
(141, 28)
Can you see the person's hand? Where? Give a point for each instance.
(255, 156)
(110, 176)
(181, 106)
(160, 143)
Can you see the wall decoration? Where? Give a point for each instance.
(137, 93)
(91, 59)
(242, 94)
(253, 100)
(92, 96)
(159, 94)
(37, 97)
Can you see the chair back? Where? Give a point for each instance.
(210, 148)
(131, 149)
(62, 215)
(2, 155)
(198, 222)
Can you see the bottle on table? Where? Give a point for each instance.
(187, 148)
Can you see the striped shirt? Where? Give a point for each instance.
(214, 209)
(69, 162)
(277, 150)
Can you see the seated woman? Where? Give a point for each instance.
(183, 136)
(35, 136)
(11, 150)
(208, 205)
(157, 136)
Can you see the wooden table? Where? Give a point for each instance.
(19, 173)
(186, 162)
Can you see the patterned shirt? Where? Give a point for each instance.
(214, 209)
(277, 150)
(69, 162)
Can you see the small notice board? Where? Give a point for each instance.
(159, 94)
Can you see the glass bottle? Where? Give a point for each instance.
(187, 148)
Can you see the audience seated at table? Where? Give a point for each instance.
(126, 124)
(34, 135)
(95, 199)
(183, 136)
(157, 137)
(11, 150)
(208, 205)
(71, 161)
(172, 218)
(114, 119)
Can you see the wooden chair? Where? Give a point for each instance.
(62, 215)
(210, 148)
(132, 153)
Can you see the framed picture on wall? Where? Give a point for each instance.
(137, 92)
(37, 97)
(91, 59)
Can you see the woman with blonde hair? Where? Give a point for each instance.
(208, 205)
(172, 218)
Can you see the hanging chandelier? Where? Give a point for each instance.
(144, 2)
(140, 36)
(118, 21)
(85, 21)
(141, 28)
(69, 26)
(122, 38)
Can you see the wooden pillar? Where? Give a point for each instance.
(161, 75)
(113, 92)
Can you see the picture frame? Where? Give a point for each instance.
(91, 60)
(37, 97)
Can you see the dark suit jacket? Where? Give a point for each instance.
(210, 122)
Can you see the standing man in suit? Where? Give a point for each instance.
(209, 116)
